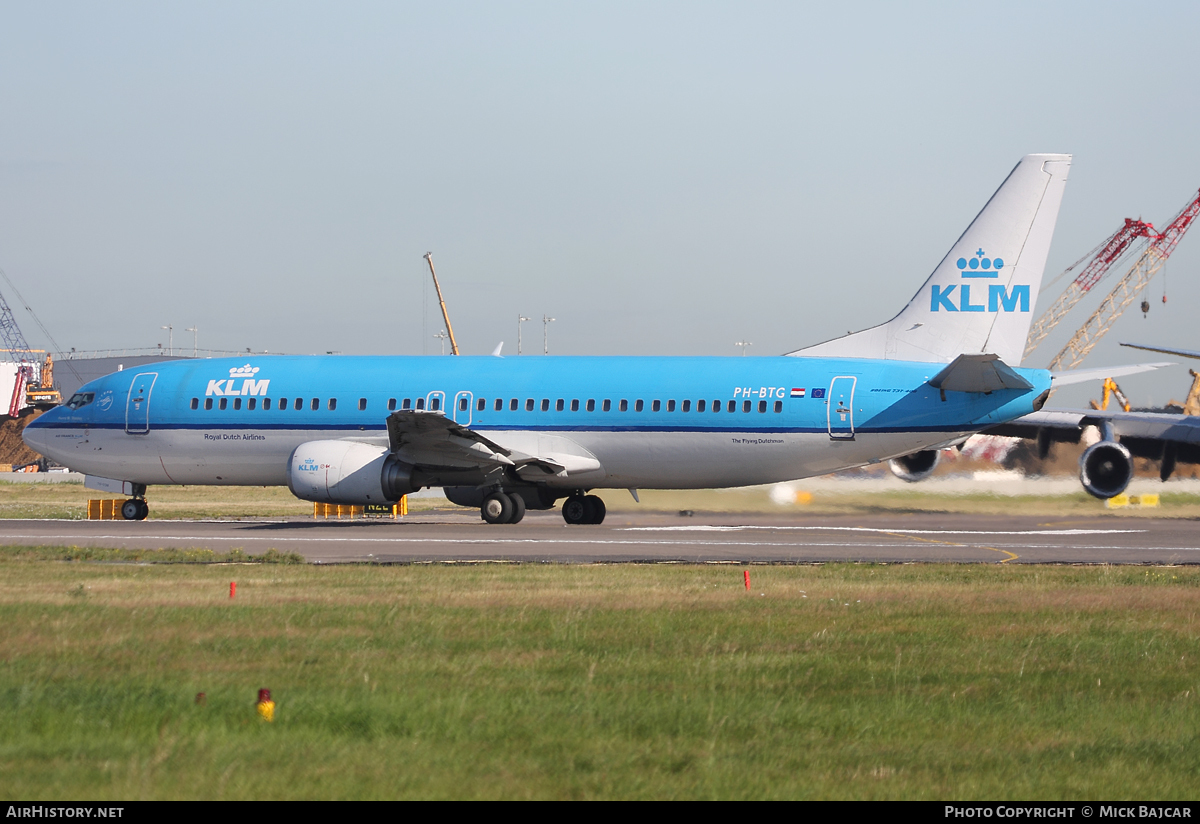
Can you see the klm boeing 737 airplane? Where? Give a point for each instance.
(507, 434)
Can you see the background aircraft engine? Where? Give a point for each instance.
(915, 467)
(1105, 469)
(348, 472)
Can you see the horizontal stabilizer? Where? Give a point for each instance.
(978, 373)
(1085, 375)
(1183, 353)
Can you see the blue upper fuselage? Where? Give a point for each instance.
(345, 394)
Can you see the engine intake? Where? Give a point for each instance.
(349, 472)
(915, 467)
(1105, 469)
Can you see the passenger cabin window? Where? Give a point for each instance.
(237, 403)
(224, 403)
(420, 403)
(529, 404)
(462, 404)
(656, 406)
(81, 399)
(700, 405)
(332, 404)
(745, 406)
(638, 406)
(499, 404)
(558, 405)
(591, 405)
(575, 405)
(315, 404)
(670, 406)
(253, 402)
(624, 407)
(778, 406)
(687, 406)
(512, 405)
(762, 406)
(607, 405)
(435, 403)
(716, 407)
(731, 406)
(195, 403)
(266, 403)
(208, 403)
(545, 404)
(407, 403)
(392, 405)
(480, 405)
(362, 404)
(299, 404)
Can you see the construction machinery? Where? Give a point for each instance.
(34, 379)
(1191, 406)
(1127, 290)
(1111, 390)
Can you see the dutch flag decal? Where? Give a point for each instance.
(797, 392)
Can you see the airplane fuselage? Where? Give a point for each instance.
(651, 422)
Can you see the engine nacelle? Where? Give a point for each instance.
(1105, 469)
(915, 467)
(348, 472)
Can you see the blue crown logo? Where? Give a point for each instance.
(980, 266)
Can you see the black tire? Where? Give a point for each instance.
(131, 509)
(575, 510)
(497, 508)
(143, 510)
(598, 509)
(518, 508)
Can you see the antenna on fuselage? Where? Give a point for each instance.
(445, 314)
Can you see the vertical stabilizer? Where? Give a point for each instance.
(980, 298)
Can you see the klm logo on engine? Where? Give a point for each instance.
(241, 381)
(999, 298)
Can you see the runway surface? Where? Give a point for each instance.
(654, 537)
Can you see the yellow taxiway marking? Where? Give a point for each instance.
(1011, 556)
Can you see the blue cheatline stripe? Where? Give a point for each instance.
(782, 430)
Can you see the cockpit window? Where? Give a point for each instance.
(80, 399)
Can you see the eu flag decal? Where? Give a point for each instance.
(818, 393)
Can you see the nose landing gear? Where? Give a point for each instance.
(135, 509)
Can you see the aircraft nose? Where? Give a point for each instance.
(34, 436)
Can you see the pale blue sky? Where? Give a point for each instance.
(663, 178)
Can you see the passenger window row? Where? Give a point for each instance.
(435, 404)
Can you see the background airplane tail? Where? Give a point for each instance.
(980, 298)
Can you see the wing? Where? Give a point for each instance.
(432, 441)
(1144, 434)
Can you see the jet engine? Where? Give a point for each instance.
(915, 467)
(349, 472)
(1105, 469)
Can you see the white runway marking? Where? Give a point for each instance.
(981, 532)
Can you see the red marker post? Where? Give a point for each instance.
(232, 589)
(746, 575)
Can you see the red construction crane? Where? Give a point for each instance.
(1110, 251)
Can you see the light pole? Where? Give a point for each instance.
(744, 344)
(546, 321)
(442, 336)
(195, 330)
(520, 319)
(170, 338)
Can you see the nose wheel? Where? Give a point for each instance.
(499, 508)
(584, 509)
(135, 509)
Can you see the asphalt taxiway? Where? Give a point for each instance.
(654, 538)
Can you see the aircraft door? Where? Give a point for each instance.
(839, 408)
(137, 404)
(462, 408)
(436, 402)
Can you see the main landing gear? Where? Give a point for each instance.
(135, 509)
(499, 508)
(583, 509)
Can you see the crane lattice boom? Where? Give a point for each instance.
(1127, 289)
(1110, 252)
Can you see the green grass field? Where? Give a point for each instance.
(848, 681)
